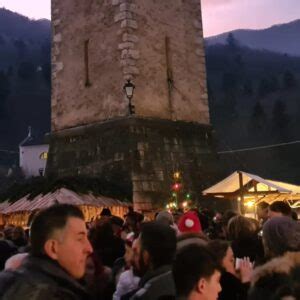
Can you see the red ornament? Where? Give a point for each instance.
(176, 186)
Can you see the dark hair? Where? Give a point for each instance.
(240, 228)
(192, 263)
(228, 214)
(47, 221)
(282, 207)
(105, 212)
(219, 249)
(263, 205)
(294, 216)
(135, 217)
(160, 241)
(116, 221)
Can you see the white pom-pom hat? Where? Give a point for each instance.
(189, 222)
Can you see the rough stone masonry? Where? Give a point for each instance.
(158, 44)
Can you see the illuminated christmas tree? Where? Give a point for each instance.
(180, 198)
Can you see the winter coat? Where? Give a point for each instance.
(251, 247)
(7, 249)
(40, 278)
(232, 288)
(157, 284)
(127, 283)
(278, 279)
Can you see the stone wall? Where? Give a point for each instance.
(137, 154)
(157, 44)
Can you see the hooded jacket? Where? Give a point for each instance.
(277, 279)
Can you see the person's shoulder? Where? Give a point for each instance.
(7, 279)
(16, 285)
(157, 287)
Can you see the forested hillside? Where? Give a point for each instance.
(24, 80)
(254, 97)
(282, 38)
(255, 101)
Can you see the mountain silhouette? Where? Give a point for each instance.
(283, 38)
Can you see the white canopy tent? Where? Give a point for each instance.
(19, 212)
(249, 188)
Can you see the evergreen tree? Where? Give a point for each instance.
(47, 72)
(232, 42)
(274, 83)
(4, 91)
(10, 71)
(26, 70)
(180, 196)
(229, 88)
(264, 87)
(289, 80)
(247, 88)
(239, 62)
(258, 117)
(229, 82)
(21, 48)
(279, 114)
(280, 119)
(2, 40)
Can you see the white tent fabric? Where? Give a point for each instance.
(4, 205)
(63, 196)
(231, 184)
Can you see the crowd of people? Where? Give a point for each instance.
(192, 255)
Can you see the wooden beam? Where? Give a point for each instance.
(241, 202)
(237, 193)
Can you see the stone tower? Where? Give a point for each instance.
(97, 46)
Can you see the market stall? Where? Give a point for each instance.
(249, 189)
(19, 212)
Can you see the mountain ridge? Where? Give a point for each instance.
(17, 26)
(281, 38)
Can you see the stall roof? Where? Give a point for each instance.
(253, 186)
(63, 196)
(231, 184)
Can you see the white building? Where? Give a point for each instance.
(33, 156)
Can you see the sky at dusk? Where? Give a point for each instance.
(218, 15)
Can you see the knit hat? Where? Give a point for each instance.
(165, 217)
(281, 234)
(189, 222)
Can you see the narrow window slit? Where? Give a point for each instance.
(86, 63)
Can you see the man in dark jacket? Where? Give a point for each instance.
(153, 254)
(59, 249)
(196, 274)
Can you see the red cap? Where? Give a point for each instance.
(189, 222)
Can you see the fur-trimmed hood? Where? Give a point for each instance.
(278, 279)
(282, 265)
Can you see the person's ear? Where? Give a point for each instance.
(51, 248)
(146, 257)
(201, 285)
